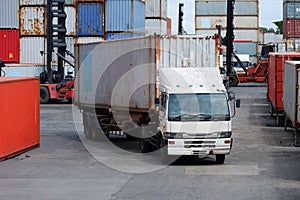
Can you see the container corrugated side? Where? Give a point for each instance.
(32, 21)
(97, 82)
(20, 115)
(291, 28)
(118, 36)
(291, 91)
(87, 40)
(133, 62)
(139, 16)
(30, 48)
(10, 46)
(124, 15)
(156, 26)
(269, 38)
(9, 10)
(291, 10)
(118, 15)
(23, 70)
(275, 77)
(187, 51)
(210, 22)
(219, 8)
(89, 19)
(156, 9)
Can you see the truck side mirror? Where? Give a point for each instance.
(156, 101)
(238, 103)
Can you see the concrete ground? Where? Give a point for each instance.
(263, 163)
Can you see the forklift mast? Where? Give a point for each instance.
(56, 33)
(229, 36)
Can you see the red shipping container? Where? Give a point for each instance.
(291, 28)
(10, 46)
(19, 116)
(275, 78)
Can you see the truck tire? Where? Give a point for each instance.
(145, 146)
(220, 158)
(44, 95)
(233, 81)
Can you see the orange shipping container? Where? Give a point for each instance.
(19, 115)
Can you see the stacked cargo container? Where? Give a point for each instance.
(275, 80)
(156, 17)
(89, 21)
(124, 19)
(210, 13)
(9, 31)
(291, 24)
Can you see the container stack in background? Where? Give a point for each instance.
(291, 24)
(156, 20)
(23, 28)
(210, 13)
(9, 31)
(124, 19)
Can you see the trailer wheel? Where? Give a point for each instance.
(233, 81)
(44, 95)
(220, 158)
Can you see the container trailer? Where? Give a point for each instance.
(291, 97)
(156, 89)
(275, 82)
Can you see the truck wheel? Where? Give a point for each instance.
(44, 95)
(145, 146)
(220, 158)
(233, 81)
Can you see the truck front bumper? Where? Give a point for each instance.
(199, 147)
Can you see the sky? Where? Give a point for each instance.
(269, 11)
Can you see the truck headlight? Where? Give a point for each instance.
(226, 134)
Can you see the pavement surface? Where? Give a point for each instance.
(263, 163)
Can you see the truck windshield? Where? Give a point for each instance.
(198, 107)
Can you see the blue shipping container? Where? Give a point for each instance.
(245, 48)
(124, 15)
(90, 19)
(117, 36)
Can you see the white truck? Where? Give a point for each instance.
(131, 87)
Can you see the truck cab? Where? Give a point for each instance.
(194, 112)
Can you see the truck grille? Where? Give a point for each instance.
(199, 144)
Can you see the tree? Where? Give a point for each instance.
(279, 25)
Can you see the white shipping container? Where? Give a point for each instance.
(156, 8)
(291, 91)
(269, 38)
(23, 70)
(134, 63)
(156, 26)
(87, 40)
(210, 22)
(9, 11)
(30, 48)
(32, 21)
(251, 34)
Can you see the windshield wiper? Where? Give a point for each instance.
(201, 116)
(220, 117)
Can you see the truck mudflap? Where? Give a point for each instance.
(199, 147)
